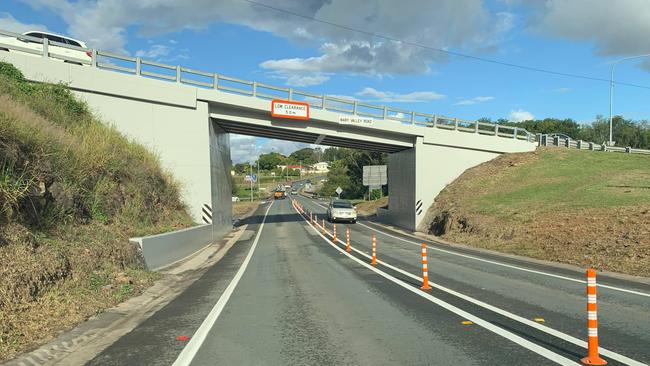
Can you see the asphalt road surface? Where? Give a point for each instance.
(290, 295)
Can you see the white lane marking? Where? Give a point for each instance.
(499, 263)
(462, 313)
(543, 328)
(187, 355)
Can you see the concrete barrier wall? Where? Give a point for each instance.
(162, 250)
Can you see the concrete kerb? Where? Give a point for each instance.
(82, 343)
(436, 240)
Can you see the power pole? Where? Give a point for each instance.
(251, 179)
(259, 192)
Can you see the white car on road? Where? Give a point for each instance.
(56, 46)
(341, 210)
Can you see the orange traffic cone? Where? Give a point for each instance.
(593, 358)
(425, 269)
(347, 240)
(374, 250)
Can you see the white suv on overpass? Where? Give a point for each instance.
(60, 47)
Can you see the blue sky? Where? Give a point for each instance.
(242, 39)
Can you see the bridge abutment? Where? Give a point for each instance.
(417, 175)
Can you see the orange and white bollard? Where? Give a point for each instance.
(593, 358)
(347, 240)
(374, 250)
(311, 218)
(323, 226)
(425, 269)
(334, 235)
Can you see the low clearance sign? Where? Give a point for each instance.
(290, 109)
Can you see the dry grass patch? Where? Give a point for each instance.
(72, 191)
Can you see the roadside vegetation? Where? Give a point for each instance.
(346, 171)
(625, 132)
(578, 207)
(72, 191)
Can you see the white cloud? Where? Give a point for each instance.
(162, 53)
(247, 148)
(474, 100)
(442, 23)
(617, 28)
(9, 23)
(242, 148)
(520, 115)
(155, 51)
(391, 97)
(304, 80)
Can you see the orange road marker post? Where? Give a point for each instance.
(324, 231)
(334, 236)
(425, 269)
(374, 250)
(593, 358)
(347, 240)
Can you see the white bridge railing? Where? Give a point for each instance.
(556, 141)
(179, 74)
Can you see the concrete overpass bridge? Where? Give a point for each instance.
(185, 116)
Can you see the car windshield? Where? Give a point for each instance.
(341, 204)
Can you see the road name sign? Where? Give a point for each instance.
(355, 120)
(289, 109)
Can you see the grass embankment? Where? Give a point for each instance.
(578, 207)
(72, 191)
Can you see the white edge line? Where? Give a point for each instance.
(187, 354)
(499, 263)
(462, 313)
(540, 327)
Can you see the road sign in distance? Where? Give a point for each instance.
(289, 109)
(375, 175)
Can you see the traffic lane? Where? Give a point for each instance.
(567, 352)
(396, 239)
(603, 279)
(562, 305)
(154, 341)
(301, 302)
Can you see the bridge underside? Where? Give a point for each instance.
(304, 136)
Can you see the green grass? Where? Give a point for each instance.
(560, 179)
(72, 192)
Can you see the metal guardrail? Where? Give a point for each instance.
(556, 141)
(156, 70)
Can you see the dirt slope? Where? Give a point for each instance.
(579, 207)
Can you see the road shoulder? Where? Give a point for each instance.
(87, 340)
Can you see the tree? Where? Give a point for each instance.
(347, 172)
(305, 155)
(241, 168)
(271, 160)
(338, 177)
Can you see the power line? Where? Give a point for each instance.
(441, 50)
